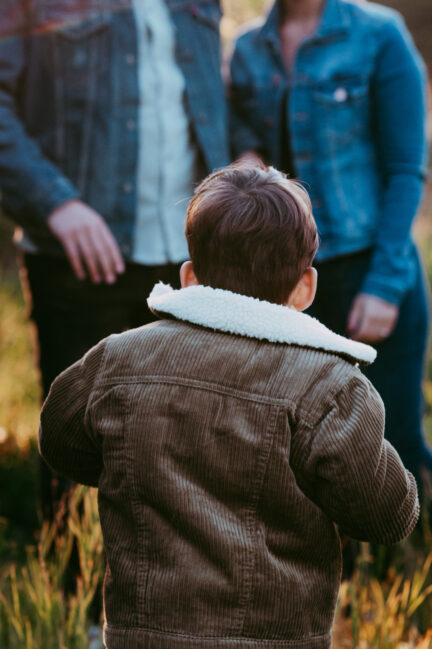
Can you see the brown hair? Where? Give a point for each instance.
(250, 230)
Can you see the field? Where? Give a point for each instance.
(387, 603)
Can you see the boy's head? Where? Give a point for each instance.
(250, 230)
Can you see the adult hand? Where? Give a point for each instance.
(251, 158)
(371, 319)
(88, 242)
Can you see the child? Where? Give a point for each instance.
(230, 438)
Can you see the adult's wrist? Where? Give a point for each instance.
(384, 288)
(58, 193)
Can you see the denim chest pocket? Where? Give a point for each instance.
(77, 40)
(342, 109)
(84, 28)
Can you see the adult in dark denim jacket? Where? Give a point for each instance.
(334, 93)
(70, 100)
(69, 88)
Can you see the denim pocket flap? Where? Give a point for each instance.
(341, 94)
(83, 27)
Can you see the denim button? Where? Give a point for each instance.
(127, 188)
(131, 125)
(340, 95)
(202, 118)
(185, 55)
(130, 59)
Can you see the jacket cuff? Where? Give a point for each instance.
(383, 287)
(45, 200)
(408, 514)
(242, 140)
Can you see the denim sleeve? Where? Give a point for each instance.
(399, 93)
(240, 92)
(31, 186)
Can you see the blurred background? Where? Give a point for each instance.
(399, 618)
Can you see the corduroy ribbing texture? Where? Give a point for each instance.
(224, 465)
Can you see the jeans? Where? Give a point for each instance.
(398, 370)
(71, 316)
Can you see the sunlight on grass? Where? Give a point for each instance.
(19, 392)
(37, 611)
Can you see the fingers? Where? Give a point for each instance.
(372, 319)
(101, 254)
(87, 241)
(372, 331)
(93, 250)
(355, 317)
(74, 257)
(113, 252)
(367, 332)
(91, 256)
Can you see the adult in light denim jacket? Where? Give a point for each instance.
(110, 112)
(333, 92)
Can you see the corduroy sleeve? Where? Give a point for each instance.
(66, 440)
(352, 473)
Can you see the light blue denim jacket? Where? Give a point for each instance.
(357, 124)
(69, 90)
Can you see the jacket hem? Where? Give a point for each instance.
(138, 638)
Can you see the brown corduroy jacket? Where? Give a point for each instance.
(228, 441)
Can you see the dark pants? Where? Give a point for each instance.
(72, 315)
(398, 369)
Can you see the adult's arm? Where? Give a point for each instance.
(67, 441)
(399, 96)
(351, 472)
(243, 138)
(31, 186)
(33, 189)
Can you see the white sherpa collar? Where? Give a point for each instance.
(248, 316)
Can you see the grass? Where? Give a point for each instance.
(38, 605)
(37, 610)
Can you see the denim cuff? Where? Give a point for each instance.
(242, 140)
(384, 287)
(44, 200)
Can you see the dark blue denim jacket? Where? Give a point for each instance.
(357, 123)
(69, 87)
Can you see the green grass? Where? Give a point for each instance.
(37, 610)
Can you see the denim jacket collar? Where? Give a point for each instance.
(333, 20)
(242, 315)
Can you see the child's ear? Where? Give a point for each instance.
(187, 275)
(304, 292)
